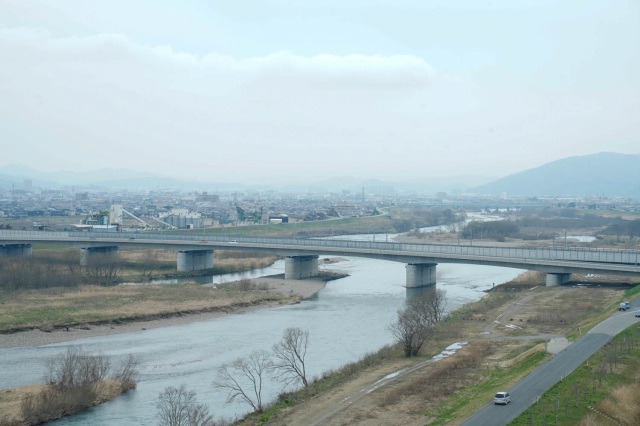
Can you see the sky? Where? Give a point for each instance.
(275, 91)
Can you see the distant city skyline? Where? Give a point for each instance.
(277, 91)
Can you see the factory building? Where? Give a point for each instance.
(182, 218)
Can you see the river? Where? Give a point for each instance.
(346, 320)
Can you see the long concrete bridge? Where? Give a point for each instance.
(301, 255)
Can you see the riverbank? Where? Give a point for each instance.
(502, 337)
(289, 291)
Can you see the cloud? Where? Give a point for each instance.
(107, 91)
(24, 45)
(106, 101)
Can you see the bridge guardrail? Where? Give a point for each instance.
(584, 254)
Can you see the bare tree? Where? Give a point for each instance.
(76, 368)
(416, 320)
(127, 370)
(179, 407)
(429, 306)
(73, 380)
(103, 267)
(149, 262)
(243, 378)
(290, 352)
(409, 331)
(71, 260)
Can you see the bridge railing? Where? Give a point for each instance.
(584, 254)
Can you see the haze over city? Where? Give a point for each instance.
(275, 91)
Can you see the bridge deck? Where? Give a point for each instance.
(547, 259)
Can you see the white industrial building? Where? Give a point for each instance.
(182, 218)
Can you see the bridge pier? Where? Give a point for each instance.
(300, 267)
(421, 274)
(554, 279)
(91, 255)
(16, 250)
(194, 260)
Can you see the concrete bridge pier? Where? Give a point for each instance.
(16, 250)
(300, 267)
(89, 255)
(421, 274)
(194, 260)
(554, 279)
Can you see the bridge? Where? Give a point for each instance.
(301, 255)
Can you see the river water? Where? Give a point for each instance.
(346, 320)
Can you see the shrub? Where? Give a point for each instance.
(72, 385)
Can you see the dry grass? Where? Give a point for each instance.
(555, 310)
(522, 355)
(437, 381)
(12, 400)
(95, 304)
(527, 279)
(623, 403)
(163, 262)
(594, 419)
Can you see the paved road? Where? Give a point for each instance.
(525, 392)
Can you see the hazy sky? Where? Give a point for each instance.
(259, 91)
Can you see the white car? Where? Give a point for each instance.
(502, 398)
(638, 314)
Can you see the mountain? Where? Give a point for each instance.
(454, 184)
(605, 174)
(15, 175)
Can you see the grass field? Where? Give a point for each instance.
(604, 390)
(59, 307)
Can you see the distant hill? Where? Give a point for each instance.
(605, 174)
(15, 175)
(455, 184)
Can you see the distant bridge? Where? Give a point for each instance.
(301, 255)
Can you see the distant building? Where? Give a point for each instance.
(182, 218)
(205, 197)
(280, 218)
(104, 228)
(253, 216)
(348, 210)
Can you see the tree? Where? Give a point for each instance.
(243, 378)
(179, 407)
(429, 306)
(76, 368)
(74, 382)
(149, 262)
(290, 352)
(126, 371)
(416, 320)
(103, 267)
